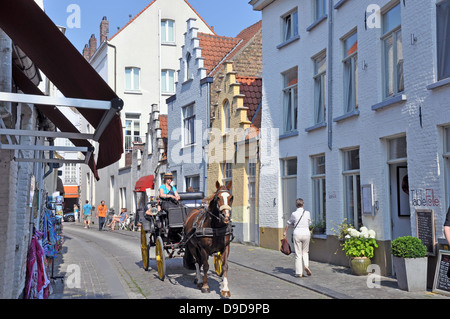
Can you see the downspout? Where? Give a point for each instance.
(330, 74)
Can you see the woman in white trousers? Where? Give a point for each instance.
(300, 220)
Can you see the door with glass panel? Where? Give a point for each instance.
(288, 188)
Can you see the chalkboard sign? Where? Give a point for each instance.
(442, 276)
(425, 229)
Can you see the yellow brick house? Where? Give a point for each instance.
(233, 146)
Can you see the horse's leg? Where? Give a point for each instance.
(225, 290)
(197, 259)
(198, 276)
(204, 256)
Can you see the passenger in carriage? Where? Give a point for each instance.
(167, 193)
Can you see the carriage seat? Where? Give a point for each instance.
(191, 195)
(191, 199)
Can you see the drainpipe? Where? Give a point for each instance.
(330, 74)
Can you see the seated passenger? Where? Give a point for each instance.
(118, 219)
(168, 193)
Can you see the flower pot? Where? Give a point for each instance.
(411, 273)
(359, 265)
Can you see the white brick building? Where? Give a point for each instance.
(139, 62)
(368, 97)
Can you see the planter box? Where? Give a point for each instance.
(411, 273)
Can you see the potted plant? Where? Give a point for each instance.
(318, 227)
(410, 263)
(360, 246)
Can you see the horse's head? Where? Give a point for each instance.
(223, 201)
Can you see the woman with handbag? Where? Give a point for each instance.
(300, 220)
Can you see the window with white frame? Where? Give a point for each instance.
(290, 103)
(193, 182)
(319, 191)
(187, 67)
(251, 175)
(226, 117)
(443, 38)
(132, 130)
(227, 172)
(320, 9)
(352, 185)
(167, 81)
(393, 52)
(320, 87)
(167, 31)
(350, 62)
(70, 174)
(290, 25)
(188, 124)
(132, 79)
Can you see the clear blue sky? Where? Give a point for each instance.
(214, 12)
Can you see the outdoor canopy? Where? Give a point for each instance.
(41, 40)
(143, 183)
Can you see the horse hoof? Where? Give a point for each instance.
(226, 294)
(205, 290)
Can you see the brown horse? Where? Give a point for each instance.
(209, 231)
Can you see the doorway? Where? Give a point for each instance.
(399, 189)
(289, 189)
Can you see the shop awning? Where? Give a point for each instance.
(71, 192)
(144, 182)
(83, 88)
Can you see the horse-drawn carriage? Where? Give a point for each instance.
(193, 228)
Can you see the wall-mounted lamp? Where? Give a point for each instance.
(413, 39)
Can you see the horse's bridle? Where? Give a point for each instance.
(222, 216)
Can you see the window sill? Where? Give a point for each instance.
(439, 84)
(187, 81)
(346, 116)
(137, 92)
(316, 23)
(316, 127)
(170, 44)
(288, 134)
(287, 42)
(389, 102)
(339, 4)
(319, 236)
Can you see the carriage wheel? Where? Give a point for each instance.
(160, 258)
(145, 249)
(218, 264)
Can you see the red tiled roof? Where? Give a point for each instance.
(164, 126)
(251, 87)
(215, 48)
(131, 21)
(244, 36)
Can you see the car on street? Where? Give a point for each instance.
(69, 217)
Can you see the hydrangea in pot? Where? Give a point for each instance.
(360, 247)
(410, 263)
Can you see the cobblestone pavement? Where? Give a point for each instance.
(114, 271)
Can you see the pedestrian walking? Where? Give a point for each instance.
(76, 213)
(87, 208)
(101, 213)
(447, 226)
(300, 220)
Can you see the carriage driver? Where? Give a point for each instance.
(168, 193)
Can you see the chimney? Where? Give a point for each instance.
(86, 52)
(92, 46)
(104, 30)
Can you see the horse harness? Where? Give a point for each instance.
(201, 232)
